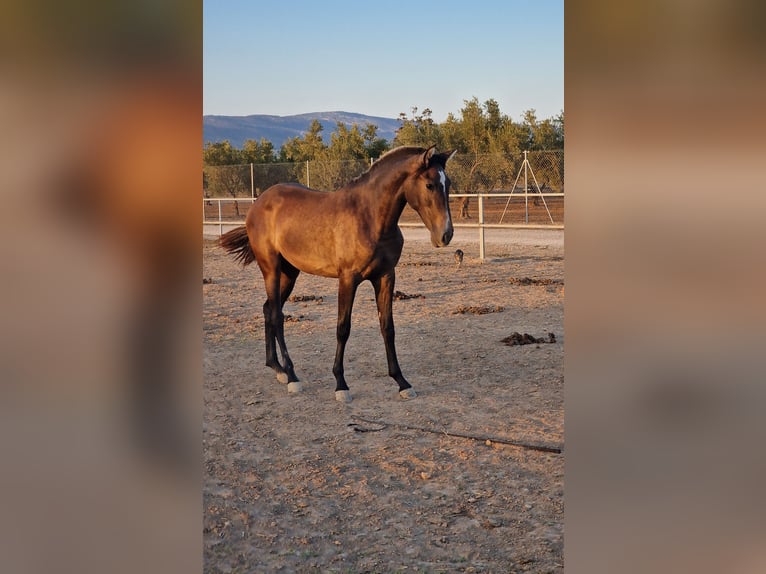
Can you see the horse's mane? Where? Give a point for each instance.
(390, 157)
(393, 154)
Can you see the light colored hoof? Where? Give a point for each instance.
(408, 393)
(294, 387)
(343, 396)
(282, 378)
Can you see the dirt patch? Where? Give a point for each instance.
(478, 309)
(447, 482)
(304, 298)
(534, 281)
(401, 295)
(526, 339)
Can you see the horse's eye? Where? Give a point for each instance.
(429, 186)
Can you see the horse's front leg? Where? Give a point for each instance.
(384, 294)
(346, 291)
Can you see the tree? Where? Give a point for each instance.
(341, 161)
(373, 145)
(452, 136)
(309, 147)
(558, 123)
(530, 127)
(346, 144)
(258, 151)
(418, 130)
(224, 174)
(494, 119)
(221, 153)
(489, 141)
(227, 181)
(474, 127)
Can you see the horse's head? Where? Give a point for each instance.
(427, 192)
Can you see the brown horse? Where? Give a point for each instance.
(352, 235)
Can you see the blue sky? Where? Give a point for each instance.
(382, 58)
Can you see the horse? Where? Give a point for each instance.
(352, 235)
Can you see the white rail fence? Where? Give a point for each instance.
(490, 191)
(545, 210)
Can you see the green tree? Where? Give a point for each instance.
(452, 135)
(309, 147)
(346, 144)
(373, 145)
(530, 128)
(418, 130)
(341, 161)
(258, 151)
(558, 123)
(221, 153)
(223, 174)
(489, 142)
(547, 134)
(494, 119)
(473, 127)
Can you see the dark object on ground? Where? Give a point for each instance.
(399, 295)
(531, 281)
(476, 310)
(301, 298)
(527, 339)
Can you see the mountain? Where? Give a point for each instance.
(278, 129)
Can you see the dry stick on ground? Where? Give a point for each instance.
(540, 447)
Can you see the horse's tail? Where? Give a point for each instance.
(237, 242)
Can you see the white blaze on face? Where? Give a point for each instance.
(443, 180)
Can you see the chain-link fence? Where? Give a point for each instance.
(489, 173)
(250, 180)
(534, 180)
(469, 174)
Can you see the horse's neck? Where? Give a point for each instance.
(388, 200)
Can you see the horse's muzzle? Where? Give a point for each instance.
(445, 238)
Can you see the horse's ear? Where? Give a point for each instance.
(428, 155)
(442, 158)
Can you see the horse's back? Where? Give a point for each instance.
(287, 194)
(296, 222)
(291, 188)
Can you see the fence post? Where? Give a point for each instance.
(481, 226)
(526, 190)
(220, 219)
(308, 175)
(252, 182)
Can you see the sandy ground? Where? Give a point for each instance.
(302, 483)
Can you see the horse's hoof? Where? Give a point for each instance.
(408, 393)
(294, 387)
(282, 378)
(343, 396)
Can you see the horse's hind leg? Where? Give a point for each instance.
(384, 292)
(279, 285)
(286, 284)
(272, 359)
